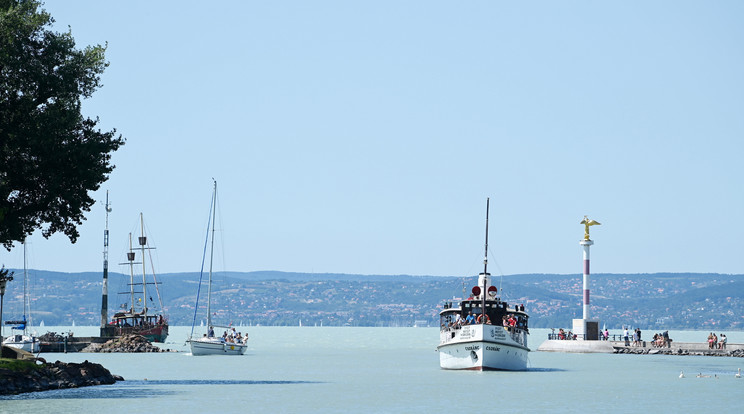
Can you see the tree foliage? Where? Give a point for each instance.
(51, 156)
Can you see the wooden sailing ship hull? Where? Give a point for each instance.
(157, 333)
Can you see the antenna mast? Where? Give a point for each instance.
(104, 296)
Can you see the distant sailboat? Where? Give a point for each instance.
(209, 344)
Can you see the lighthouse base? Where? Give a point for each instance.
(586, 329)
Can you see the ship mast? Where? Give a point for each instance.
(485, 268)
(485, 257)
(143, 242)
(130, 259)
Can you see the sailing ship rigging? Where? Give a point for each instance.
(137, 316)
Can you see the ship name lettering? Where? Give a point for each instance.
(493, 348)
(472, 348)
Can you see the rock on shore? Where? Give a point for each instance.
(125, 343)
(28, 376)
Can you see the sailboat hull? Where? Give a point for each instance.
(213, 346)
(24, 342)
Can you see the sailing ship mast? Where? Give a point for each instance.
(130, 259)
(143, 241)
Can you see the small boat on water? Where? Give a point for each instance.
(23, 338)
(139, 316)
(483, 332)
(208, 344)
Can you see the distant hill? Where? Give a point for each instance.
(649, 301)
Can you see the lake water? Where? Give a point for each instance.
(387, 370)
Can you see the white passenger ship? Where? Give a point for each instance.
(494, 339)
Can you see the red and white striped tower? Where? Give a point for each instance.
(586, 244)
(586, 328)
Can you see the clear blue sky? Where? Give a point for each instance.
(365, 137)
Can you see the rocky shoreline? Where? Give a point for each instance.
(126, 343)
(24, 376)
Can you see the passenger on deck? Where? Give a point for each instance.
(211, 332)
(470, 319)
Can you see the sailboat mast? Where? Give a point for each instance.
(211, 257)
(26, 303)
(104, 295)
(143, 242)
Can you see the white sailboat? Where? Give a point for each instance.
(208, 343)
(23, 339)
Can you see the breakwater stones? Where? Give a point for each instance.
(21, 376)
(680, 351)
(125, 343)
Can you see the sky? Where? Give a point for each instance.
(365, 137)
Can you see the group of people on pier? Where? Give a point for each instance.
(714, 342)
(661, 340)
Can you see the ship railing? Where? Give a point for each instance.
(572, 336)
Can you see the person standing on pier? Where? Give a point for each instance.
(625, 336)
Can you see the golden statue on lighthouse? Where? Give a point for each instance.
(586, 222)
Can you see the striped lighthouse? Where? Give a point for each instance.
(586, 328)
(586, 244)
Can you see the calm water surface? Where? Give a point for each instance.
(384, 370)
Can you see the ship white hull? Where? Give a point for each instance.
(24, 342)
(483, 347)
(216, 347)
